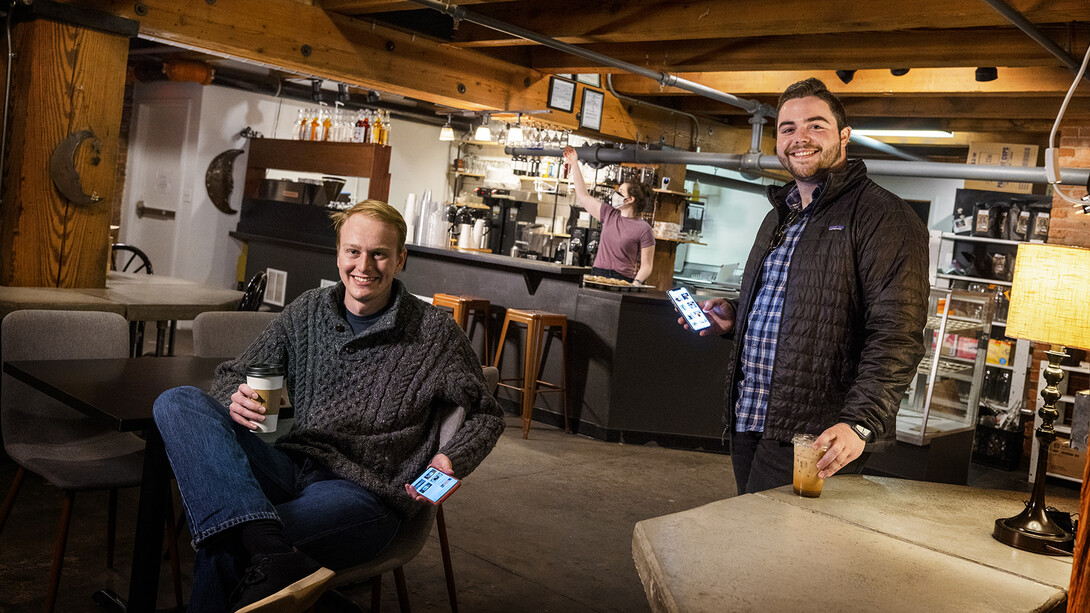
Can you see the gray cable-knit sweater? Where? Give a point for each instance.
(369, 407)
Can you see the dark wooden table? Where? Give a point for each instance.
(120, 393)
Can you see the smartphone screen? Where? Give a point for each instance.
(435, 485)
(690, 310)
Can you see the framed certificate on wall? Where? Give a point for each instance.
(561, 94)
(590, 113)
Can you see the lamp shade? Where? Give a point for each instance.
(1050, 296)
(483, 134)
(446, 133)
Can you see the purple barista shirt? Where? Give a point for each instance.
(622, 239)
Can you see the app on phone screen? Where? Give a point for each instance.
(689, 309)
(434, 484)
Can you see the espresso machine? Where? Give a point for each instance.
(583, 245)
(507, 216)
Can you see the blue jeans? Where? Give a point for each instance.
(228, 476)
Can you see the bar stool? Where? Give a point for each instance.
(462, 307)
(537, 323)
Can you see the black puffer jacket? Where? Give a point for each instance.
(851, 334)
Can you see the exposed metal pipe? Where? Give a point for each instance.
(1031, 30)
(753, 163)
(878, 145)
(663, 78)
(696, 124)
(727, 182)
(755, 108)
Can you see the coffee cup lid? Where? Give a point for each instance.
(265, 370)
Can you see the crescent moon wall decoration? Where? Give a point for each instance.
(219, 179)
(62, 167)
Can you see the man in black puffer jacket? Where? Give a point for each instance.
(828, 327)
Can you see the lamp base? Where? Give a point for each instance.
(1017, 532)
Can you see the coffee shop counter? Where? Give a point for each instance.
(633, 373)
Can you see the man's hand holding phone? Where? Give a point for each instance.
(720, 315)
(436, 483)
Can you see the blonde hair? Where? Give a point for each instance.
(375, 209)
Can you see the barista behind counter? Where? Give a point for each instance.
(627, 247)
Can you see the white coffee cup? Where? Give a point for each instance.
(267, 381)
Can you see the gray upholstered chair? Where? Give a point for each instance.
(225, 334)
(71, 451)
(413, 534)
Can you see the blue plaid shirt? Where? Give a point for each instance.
(763, 324)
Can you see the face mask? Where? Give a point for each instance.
(617, 200)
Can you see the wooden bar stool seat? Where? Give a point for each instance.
(537, 323)
(462, 307)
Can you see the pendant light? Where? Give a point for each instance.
(514, 135)
(447, 133)
(483, 134)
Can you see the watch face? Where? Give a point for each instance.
(862, 431)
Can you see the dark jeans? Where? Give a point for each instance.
(763, 464)
(609, 273)
(229, 476)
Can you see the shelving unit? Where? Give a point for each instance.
(1063, 430)
(342, 159)
(1018, 366)
(938, 415)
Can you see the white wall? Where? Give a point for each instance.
(939, 192)
(731, 220)
(202, 249)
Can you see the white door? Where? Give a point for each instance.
(159, 147)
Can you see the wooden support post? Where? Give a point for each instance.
(65, 79)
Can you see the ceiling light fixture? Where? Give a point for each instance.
(514, 135)
(845, 76)
(903, 133)
(986, 74)
(483, 134)
(447, 132)
(898, 72)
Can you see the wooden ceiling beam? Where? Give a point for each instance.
(363, 7)
(971, 111)
(307, 40)
(356, 52)
(574, 21)
(847, 51)
(1041, 81)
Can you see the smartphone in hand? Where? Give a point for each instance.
(435, 485)
(689, 309)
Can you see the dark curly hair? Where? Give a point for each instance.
(814, 87)
(645, 198)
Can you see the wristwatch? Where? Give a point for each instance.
(862, 432)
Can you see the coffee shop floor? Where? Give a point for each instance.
(543, 524)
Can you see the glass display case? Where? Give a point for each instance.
(944, 395)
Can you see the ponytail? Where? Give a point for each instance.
(644, 197)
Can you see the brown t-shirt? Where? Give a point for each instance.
(621, 241)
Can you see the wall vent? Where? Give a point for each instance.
(277, 288)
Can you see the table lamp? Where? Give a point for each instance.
(1050, 303)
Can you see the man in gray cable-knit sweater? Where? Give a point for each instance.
(371, 371)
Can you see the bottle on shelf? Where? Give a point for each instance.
(315, 125)
(376, 129)
(327, 126)
(386, 131)
(297, 130)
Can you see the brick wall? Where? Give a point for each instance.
(1067, 227)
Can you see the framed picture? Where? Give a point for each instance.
(561, 94)
(594, 80)
(564, 75)
(590, 113)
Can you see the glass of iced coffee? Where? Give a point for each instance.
(806, 481)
